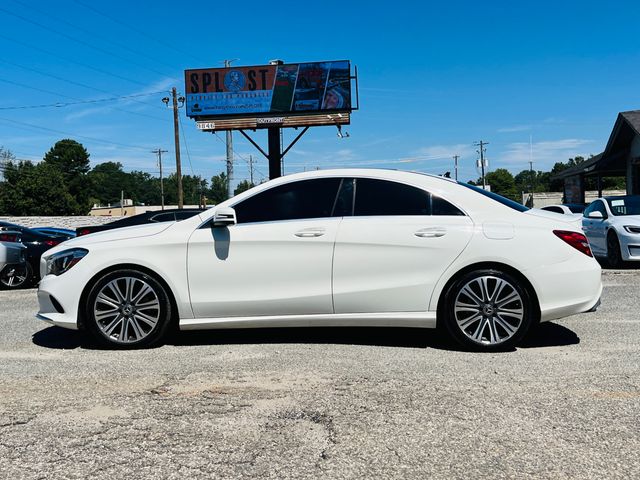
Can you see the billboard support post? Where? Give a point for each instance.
(275, 155)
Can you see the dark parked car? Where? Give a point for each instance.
(37, 243)
(172, 215)
(57, 232)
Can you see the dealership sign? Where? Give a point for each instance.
(269, 91)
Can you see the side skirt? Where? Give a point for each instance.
(390, 319)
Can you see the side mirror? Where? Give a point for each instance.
(223, 217)
(596, 215)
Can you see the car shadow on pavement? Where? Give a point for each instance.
(544, 335)
(549, 334)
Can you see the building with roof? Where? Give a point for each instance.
(621, 157)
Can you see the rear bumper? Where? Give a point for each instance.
(567, 288)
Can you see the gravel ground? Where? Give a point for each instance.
(324, 403)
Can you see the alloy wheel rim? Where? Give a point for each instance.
(489, 310)
(14, 277)
(126, 310)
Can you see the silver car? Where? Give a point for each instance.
(13, 263)
(612, 225)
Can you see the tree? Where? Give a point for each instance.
(219, 188)
(30, 189)
(109, 180)
(71, 159)
(502, 183)
(6, 156)
(243, 186)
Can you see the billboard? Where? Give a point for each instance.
(303, 88)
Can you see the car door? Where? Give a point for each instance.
(598, 228)
(275, 261)
(392, 251)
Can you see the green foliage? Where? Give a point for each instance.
(71, 159)
(243, 186)
(219, 187)
(40, 189)
(502, 183)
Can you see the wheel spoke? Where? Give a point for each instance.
(102, 298)
(103, 315)
(144, 291)
(500, 284)
(505, 325)
(136, 328)
(477, 335)
(493, 335)
(469, 321)
(470, 293)
(146, 318)
(508, 299)
(108, 330)
(113, 286)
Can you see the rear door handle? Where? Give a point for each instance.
(431, 232)
(310, 232)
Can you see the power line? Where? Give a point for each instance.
(81, 42)
(66, 59)
(79, 84)
(79, 102)
(60, 132)
(94, 34)
(140, 32)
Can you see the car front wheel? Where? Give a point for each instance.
(16, 276)
(128, 309)
(488, 310)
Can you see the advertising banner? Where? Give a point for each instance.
(269, 89)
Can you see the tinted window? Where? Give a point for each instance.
(380, 197)
(553, 209)
(589, 209)
(498, 198)
(624, 205)
(163, 217)
(440, 206)
(185, 215)
(601, 208)
(296, 200)
(344, 200)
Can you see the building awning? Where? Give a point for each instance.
(613, 161)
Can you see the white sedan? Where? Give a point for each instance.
(612, 225)
(329, 248)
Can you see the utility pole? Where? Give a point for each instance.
(176, 139)
(251, 168)
(159, 152)
(531, 179)
(482, 150)
(227, 64)
(455, 165)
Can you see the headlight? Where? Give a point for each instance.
(632, 229)
(59, 263)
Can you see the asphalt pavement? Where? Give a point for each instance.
(324, 403)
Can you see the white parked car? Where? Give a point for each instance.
(329, 248)
(13, 263)
(612, 225)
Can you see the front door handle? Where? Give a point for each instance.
(431, 232)
(310, 232)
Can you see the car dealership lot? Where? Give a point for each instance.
(324, 403)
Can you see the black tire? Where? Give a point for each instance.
(614, 255)
(133, 331)
(13, 277)
(488, 324)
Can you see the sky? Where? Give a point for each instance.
(536, 80)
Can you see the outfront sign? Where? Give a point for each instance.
(269, 89)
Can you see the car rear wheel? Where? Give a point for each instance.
(488, 310)
(614, 256)
(128, 309)
(16, 276)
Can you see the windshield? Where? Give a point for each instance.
(624, 205)
(498, 198)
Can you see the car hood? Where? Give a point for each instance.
(121, 233)
(625, 220)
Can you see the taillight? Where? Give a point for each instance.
(576, 240)
(51, 243)
(84, 231)
(8, 237)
